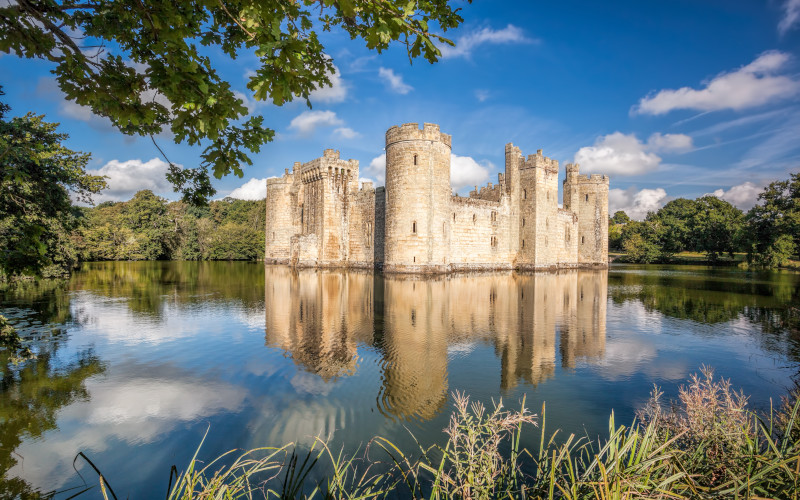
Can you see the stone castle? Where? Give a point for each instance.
(317, 216)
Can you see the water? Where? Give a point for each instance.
(138, 360)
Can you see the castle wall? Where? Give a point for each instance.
(366, 227)
(479, 234)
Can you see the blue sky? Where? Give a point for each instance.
(670, 98)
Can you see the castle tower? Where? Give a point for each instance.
(417, 199)
(587, 196)
(538, 212)
(514, 162)
(280, 224)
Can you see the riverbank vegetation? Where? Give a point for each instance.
(705, 444)
(767, 236)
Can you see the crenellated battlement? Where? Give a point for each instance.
(538, 160)
(412, 132)
(593, 179)
(573, 168)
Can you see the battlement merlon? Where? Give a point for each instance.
(412, 132)
(573, 168)
(538, 160)
(593, 179)
(280, 181)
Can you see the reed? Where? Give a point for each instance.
(706, 444)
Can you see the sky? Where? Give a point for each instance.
(677, 98)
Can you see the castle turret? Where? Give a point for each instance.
(587, 197)
(417, 198)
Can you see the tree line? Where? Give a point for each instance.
(768, 234)
(149, 227)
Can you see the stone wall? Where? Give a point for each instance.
(479, 234)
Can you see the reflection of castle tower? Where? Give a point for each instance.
(415, 347)
(320, 318)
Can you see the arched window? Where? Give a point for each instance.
(414, 227)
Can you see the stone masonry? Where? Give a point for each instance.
(318, 216)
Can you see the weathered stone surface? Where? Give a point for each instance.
(318, 216)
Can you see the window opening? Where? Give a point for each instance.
(414, 227)
(415, 159)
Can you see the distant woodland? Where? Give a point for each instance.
(149, 228)
(768, 235)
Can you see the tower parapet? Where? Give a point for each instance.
(412, 132)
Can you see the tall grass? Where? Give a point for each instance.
(706, 444)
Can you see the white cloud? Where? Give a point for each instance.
(791, 16)
(743, 196)
(625, 154)
(465, 44)
(335, 92)
(254, 189)
(464, 171)
(617, 154)
(346, 133)
(749, 86)
(377, 169)
(307, 122)
(636, 203)
(481, 95)
(394, 81)
(677, 143)
(127, 177)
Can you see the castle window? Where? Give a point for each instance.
(523, 243)
(414, 227)
(582, 239)
(545, 241)
(547, 223)
(454, 216)
(548, 196)
(444, 229)
(494, 216)
(524, 194)
(523, 222)
(415, 159)
(273, 236)
(474, 218)
(587, 197)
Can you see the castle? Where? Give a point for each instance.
(317, 216)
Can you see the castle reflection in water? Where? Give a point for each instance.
(319, 318)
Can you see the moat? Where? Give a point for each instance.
(139, 359)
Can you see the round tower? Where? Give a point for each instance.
(417, 199)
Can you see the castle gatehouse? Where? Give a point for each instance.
(319, 216)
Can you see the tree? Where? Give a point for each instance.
(674, 222)
(619, 217)
(145, 65)
(772, 233)
(716, 226)
(36, 213)
(641, 243)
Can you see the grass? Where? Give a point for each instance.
(706, 444)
